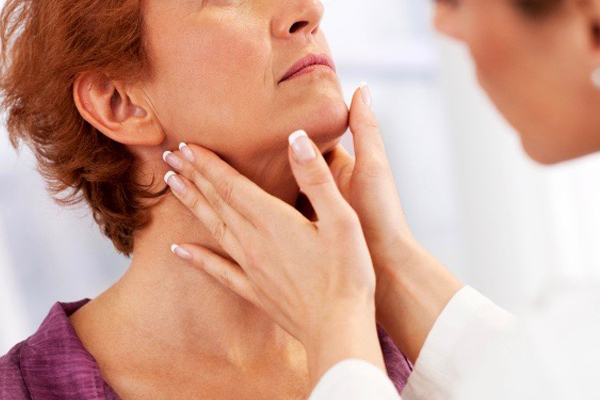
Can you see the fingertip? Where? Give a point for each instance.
(181, 252)
(302, 146)
(168, 175)
(362, 98)
(295, 135)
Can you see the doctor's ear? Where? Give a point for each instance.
(121, 112)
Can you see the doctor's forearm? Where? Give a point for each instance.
(417, 290)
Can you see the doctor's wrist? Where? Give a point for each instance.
(346, 335)
(414, 291)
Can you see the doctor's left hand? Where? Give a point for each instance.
(314, 279)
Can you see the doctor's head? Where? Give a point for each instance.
(100, 88)
(535, 59)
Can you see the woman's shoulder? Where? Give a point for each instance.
(52, 363)
(12, 385)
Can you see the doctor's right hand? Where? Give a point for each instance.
(413, 286)
(315, 279)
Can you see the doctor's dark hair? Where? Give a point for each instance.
(532, 8)
(46, 44)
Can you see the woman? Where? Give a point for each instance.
(539, 60)
(100, 89)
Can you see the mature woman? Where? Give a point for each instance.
(99, 89)
(539, 60)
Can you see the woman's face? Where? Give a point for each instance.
(536, 68)
(218, 67)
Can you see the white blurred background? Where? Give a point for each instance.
(504, 224)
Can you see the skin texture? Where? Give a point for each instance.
(317, 260)
(216, 68)
(537, 70)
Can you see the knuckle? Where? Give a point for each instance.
(377, 169)
(225, 190)
(195, 205)
(215, 200)
(366, 123)
(346, 220)
(226, 279)
(218, 230)
(196, 176)
(318, 178)
(255, 252)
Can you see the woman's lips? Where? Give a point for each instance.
(308, 64)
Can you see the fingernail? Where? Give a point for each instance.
(181, 252)
(172, 160)
(366, 94)
(187, 153)
(303, 148)
(175, 182)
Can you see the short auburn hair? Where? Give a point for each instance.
(46, 44)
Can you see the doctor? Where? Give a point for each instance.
(539, 61)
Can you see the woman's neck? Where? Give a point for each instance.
(164, 308)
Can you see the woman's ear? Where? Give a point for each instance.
(123, 113)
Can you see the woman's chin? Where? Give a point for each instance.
(325, 120)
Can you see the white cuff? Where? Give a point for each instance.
(354, 379)
(468, 324)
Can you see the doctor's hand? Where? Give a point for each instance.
(314, 279)
(413, 286)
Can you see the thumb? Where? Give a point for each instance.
(369, 147)
(314, 177)
(229, 274)
(341, 165)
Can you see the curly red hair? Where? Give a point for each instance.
(46, 44)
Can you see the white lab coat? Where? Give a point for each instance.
(478, 351)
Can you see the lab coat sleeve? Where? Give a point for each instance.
(354, 379)
(468, 325)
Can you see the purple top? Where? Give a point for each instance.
(53, 364)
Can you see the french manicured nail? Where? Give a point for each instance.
(175, 182)
(365, 91)
(302, 146)
(173, 160)
(187, 153)
(181, 252)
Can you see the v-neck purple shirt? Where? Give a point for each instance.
(53, 364)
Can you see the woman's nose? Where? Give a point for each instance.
(446, 19)
(297, 18)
